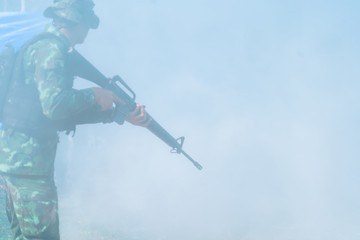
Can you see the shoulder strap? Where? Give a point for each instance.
(17, 75)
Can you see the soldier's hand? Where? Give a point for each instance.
(139, 117)
(105, 98)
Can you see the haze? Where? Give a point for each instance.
(266, 94)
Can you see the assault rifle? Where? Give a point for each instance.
(84, 69)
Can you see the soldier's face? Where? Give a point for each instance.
(80, 32)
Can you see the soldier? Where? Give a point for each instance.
(42, 102)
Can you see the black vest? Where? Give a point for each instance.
(22, 110)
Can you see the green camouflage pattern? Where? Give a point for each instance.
(44, 65)
(21, 154)
(26, 162)
(76, 11)
(32, 207)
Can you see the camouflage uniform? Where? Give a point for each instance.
(26, 161)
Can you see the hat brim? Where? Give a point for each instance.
(50, 12)
(92, 21)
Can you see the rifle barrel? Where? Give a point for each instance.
(166, 137)
(84, 69)
(196, 164)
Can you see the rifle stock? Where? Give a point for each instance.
(83, 68)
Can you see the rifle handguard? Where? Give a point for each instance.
(84, 69)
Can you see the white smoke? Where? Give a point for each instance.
(266, 95)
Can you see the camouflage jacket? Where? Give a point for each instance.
(44, 66)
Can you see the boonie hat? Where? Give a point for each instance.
(76, 11)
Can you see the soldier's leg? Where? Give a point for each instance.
(35, 204)
(14, 223)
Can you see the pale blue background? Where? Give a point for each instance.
(266, 93)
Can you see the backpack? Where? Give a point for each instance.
(7, 62)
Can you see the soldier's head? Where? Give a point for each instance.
(74, 17)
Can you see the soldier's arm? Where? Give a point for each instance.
(58, 101)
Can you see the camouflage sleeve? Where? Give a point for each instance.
(58, 100)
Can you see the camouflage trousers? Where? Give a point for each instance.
(27, 168)
(32, 207)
